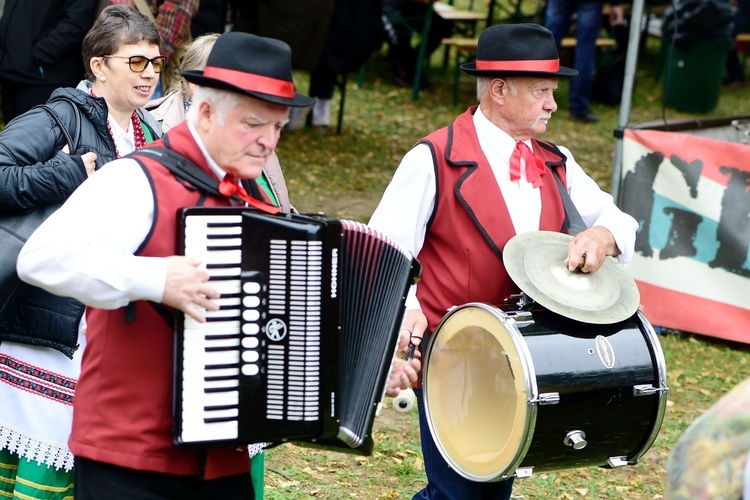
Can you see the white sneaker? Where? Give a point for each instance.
(297, 118)
(321, 113)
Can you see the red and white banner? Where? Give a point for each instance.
(691, 197)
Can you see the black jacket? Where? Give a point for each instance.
(28, 314)
(44, 34)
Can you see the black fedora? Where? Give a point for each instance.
(517, 50)
(251, 65)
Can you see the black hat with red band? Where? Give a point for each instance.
(517, 50)
(251, 65)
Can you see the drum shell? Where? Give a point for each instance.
(591, 372)
(597, 400)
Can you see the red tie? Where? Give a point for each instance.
(534, 166)
(229, 186)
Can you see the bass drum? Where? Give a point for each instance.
(509, 393)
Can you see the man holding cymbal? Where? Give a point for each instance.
(466, 189)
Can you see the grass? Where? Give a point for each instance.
(344, 176)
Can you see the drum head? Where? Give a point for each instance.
(476, 387)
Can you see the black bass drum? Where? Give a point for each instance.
(510, 393)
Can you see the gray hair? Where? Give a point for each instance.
(223, 101)
(483, 85)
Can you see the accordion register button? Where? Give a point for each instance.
(250, 328)
(249, 370)
(250, 342)
(251, 315)
(250, 356)
(251, 287)
(251, 301)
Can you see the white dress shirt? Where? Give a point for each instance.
(408, 201)
(85, 249)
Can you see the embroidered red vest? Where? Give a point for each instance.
(462, 255)
(123, 402)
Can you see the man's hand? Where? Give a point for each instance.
(590, 248)
(406, 365)
(187, 287)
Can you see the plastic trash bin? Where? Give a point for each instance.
(693, 74)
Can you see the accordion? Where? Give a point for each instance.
(301, 347)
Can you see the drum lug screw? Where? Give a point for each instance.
(576, 439)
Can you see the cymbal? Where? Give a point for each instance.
(535, 261)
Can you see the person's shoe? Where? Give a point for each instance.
(585, 117)
(297, 118)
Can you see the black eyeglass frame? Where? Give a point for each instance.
(157, 69)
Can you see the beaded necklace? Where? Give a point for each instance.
(138, 135)
(140, 138)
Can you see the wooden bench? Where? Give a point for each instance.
(466, 48)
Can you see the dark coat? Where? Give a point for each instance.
(44, 34)
(29, 314)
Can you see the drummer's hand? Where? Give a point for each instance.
(403, 375)
(406, 364)
(590, 248)
(412, 332)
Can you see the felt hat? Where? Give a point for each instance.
(517, 50)
(251, 65)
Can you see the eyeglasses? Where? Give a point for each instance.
(139, 63)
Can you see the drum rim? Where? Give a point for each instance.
(661, 365)
(532, 394)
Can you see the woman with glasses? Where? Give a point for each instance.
(42, 161)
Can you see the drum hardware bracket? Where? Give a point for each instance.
(524, 472)
(615, 462)
(547, 398)
(576, 439)
(522, 301)
(647, 390)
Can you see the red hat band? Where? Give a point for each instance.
(540, 65)
(251, 83)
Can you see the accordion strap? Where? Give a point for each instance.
(183, 169)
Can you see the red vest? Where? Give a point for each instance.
(123, 402)
(462, 259)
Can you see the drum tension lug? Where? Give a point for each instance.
(546, 398)
(647, 390)
(615, 462)
(524, 472)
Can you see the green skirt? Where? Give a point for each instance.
(24, 480)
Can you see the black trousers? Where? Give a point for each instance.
(101, 481)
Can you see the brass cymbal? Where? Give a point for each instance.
(535, 261)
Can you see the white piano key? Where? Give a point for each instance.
(198, 343)
(200, 358)
(224, 413)
(194, 328)
(228, 314)
(203, 399)
(220, 272)
(220, 384)
(226, 287)
(216, 431)
(223, 257)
